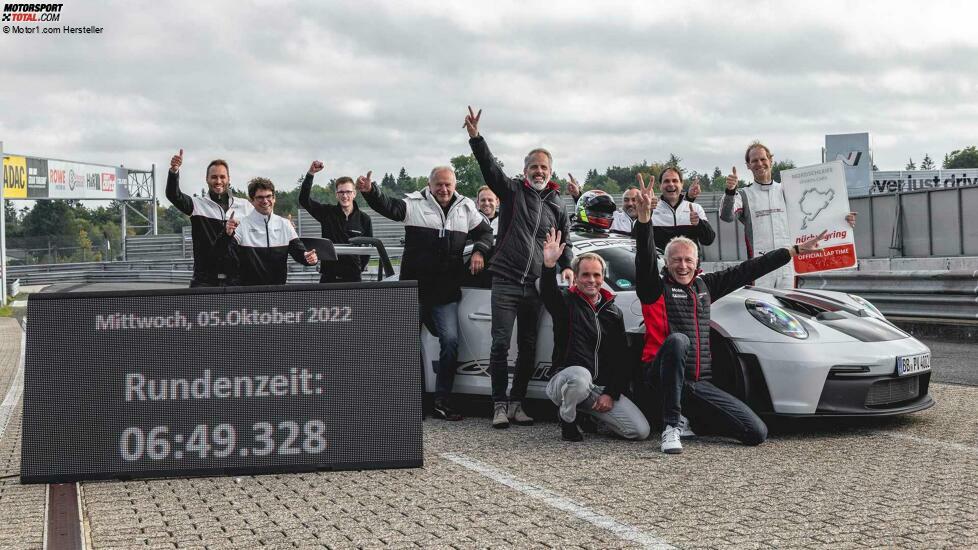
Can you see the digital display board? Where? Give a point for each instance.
(221, 381)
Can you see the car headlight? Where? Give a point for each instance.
(867, 305)
(776, 318)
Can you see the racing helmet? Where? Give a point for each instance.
(596, 209)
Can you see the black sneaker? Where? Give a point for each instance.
(569, 432)
(444, 412)
(587, 424)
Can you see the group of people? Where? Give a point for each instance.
(519, 228)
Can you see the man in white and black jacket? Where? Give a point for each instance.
(261, 242)
(437, 223)
(340, 222)
(676, 313)
(529, 206)
(589, 348)
(675, 216)
(208, 216)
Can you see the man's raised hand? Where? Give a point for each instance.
(472, 122)
(811, 245)
(645, 201)
(732, 179)
(231, 224)
(694, 190)
(316, 166)
(176, 162)
(573, 189)
(552, 248)
(364, 184)
(694, 217)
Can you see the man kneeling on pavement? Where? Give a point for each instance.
(676, 311)
(589, 347)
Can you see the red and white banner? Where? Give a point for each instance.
(817, 200)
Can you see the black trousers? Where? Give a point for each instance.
(710, 410)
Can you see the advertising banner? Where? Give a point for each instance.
(14, 177)
(221, 381)
(37, 178)
(816, 199)
(897, 181)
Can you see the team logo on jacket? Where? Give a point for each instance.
(679, 293)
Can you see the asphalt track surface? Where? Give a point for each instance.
(906, 482)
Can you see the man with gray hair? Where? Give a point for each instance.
(437, 222)
(676, 311)
(529, 207)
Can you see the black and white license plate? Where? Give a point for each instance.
(912, 364)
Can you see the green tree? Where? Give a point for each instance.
(962, 158)
(468, 174)
(927, 163)
(780, 165)
(910, 165)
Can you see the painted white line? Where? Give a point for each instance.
(15, 391)
(622, 530)
(934, 442)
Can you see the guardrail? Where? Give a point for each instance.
(922, 294)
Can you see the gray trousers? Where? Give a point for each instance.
(573, 390)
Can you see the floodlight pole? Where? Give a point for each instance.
(3, 240)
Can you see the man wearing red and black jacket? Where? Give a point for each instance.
(676, 311)
(589, 345)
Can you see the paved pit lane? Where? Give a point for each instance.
(906, 482)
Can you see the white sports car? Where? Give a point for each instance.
(791, 353)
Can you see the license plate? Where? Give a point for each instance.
(912, 364)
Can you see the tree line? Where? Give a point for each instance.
(94, 234)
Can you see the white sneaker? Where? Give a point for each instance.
(685, 432)
(499, 419)
(670, 441)
(516, 415)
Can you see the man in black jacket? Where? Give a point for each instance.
(676, 311)
(261, 242)
(529, 206)
(208, 216)
(340, 222)
(437, 223)
(589, 348)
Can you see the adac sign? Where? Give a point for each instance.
(14, 177)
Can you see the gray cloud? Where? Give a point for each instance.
(378, 85)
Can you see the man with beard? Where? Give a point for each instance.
(340, 222)
(760, 207)
(673, 216)
(208, 216)
(529, 206)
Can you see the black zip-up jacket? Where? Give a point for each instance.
(434, 240)
(525, 217)
(260, 249)
(208, 216)
(669, 307)
(339, 228)
(589, 336)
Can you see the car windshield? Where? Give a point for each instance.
(621, 267)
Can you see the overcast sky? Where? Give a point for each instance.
(361, 85)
